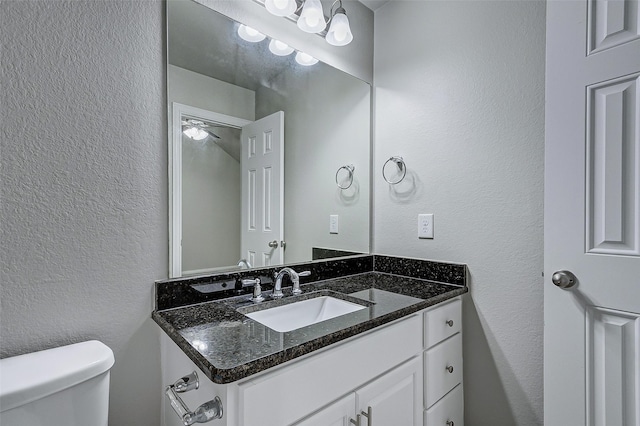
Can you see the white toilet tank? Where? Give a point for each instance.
(65, 386)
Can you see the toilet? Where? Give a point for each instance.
(65, 386)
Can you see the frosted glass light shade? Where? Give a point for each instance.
(339, 32)
(305, 59)
(279, 48)
(195, 133)
(249, 34)
(312, 17)
(281, 7)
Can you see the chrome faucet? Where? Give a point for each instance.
(293, 276)
(243, 263)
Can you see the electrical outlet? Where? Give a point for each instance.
(333, 224)
(425, 225)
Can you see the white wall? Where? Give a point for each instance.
(460, 95)
(200, 91)
(83, 169)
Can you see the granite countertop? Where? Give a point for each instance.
(229, 346)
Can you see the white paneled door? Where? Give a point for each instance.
(592, 214)
(262, 168)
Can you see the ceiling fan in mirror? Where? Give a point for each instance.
(197, 129)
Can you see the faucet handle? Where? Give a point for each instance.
(257, 292)
(296, 283)
(250, 282)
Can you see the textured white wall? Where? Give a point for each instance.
(460, 95)
(83, 169)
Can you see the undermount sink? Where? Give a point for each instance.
(303, 313)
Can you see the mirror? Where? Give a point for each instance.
(231, 101)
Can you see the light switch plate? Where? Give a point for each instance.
(333, 224)
(425, 226)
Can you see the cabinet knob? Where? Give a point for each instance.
(450, 323)
(449, 368)
(450, 423)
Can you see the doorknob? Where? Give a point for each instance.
(564, 279)
(273, 244)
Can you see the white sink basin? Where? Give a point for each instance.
(301, 314)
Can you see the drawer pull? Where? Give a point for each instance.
(356, 421)
(368, 415)
(449, 368)
(450, 423)
(450, 324)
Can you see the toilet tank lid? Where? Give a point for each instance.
(29, 377)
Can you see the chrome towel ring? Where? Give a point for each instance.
(350, 168)
(402, 167)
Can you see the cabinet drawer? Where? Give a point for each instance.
(442, 322)
(443, 369)
(449, 411)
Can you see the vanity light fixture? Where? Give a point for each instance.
(305, 59)
(281, 7)
(279, 48)
(311, 18)
(339, 32)
(249, 34)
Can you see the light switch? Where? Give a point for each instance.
(333, 224)
(425, 225)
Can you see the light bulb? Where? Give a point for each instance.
(250, 34)
(305, 59)
(281, 7)
(279, 48)
(312, 17)
(339, 32)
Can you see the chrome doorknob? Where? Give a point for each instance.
(564, 279)
(273, 244)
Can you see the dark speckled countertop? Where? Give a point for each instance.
(229, 346)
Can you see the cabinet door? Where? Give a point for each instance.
(336, 414)
(395, 398)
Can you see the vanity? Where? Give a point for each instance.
(396, 360)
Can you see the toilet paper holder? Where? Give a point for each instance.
(206, 412)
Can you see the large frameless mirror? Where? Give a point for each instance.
(269, 158)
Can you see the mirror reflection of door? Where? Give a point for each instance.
(262, 165)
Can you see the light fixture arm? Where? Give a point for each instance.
(340, 9)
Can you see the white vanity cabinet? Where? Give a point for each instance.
(443, 395)
(393, 399)
(388, 373)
